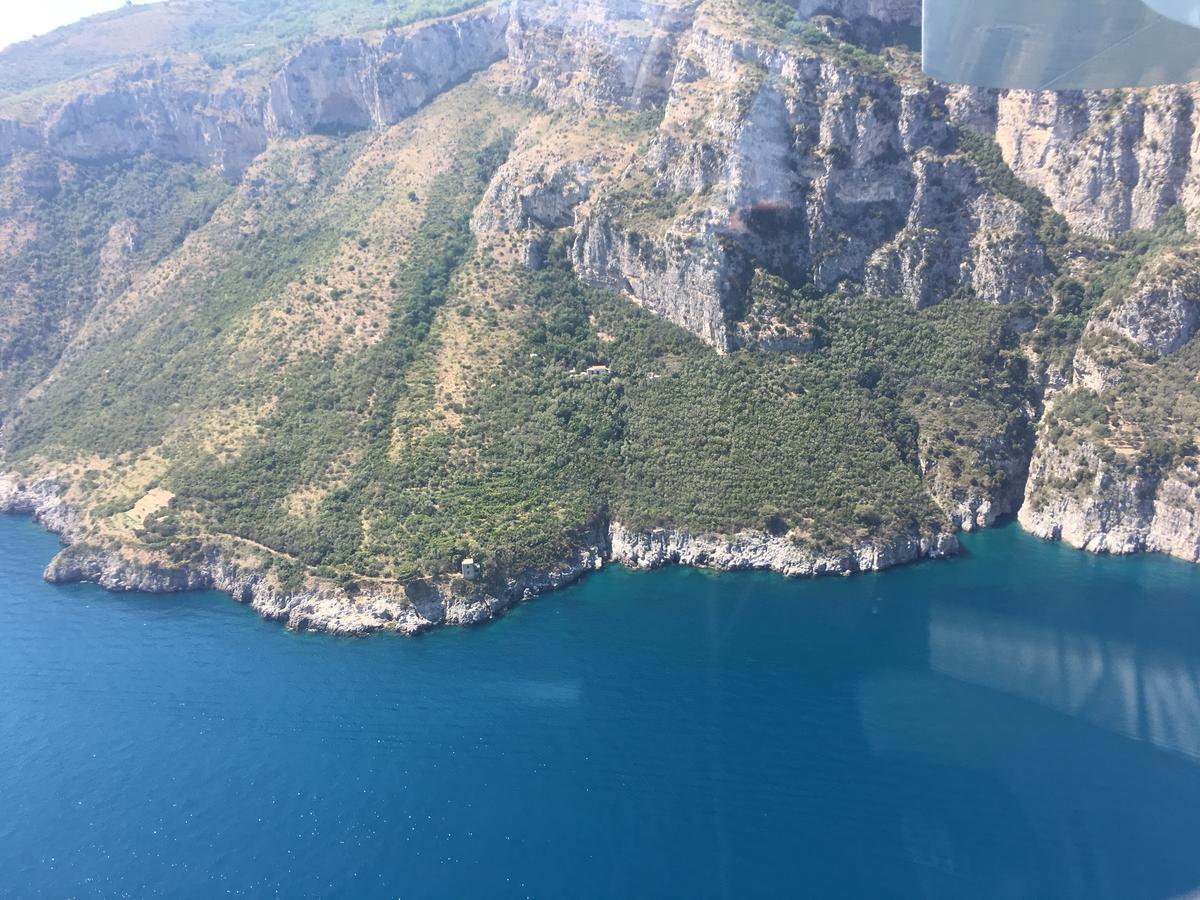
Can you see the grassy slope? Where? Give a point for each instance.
(52, 282)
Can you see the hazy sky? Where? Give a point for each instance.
(23, 19)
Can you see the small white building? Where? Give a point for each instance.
(598, 371)
(471, 570)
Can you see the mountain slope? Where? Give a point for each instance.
(720, 282)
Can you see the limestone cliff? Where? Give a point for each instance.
(759, 550)
(190, 113)
(1109, 161)
(784, 157)
(1115, 468)
(758, 185)
(341, 85)
(1097, 504)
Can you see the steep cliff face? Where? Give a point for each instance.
(890, 12)
(959, 236)
(1162, 310)
(784, 155)
(619, 53)
(43, 499)
(189, 113)
(342, 85)
(1115, 468)
(785, 158)
(813, 141)
(687, 275)
(1109, 161)
(1078, 496)
(160, 111)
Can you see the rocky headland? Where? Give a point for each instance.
(417, 606)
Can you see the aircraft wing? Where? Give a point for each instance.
(1062, 44)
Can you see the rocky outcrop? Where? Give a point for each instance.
(116, 255)
(688, 275)
(330, 86)
(1162, 312)
(1175, 524)
(341, 85)
(1078, 496)
(27, 178)
(618, 53)
(43, 500)
(315, 605)
(1108, 160)
(1074, 496)
(758, 550)
(959, 236)
(541, 196)
(1003, 461)
(551, 174)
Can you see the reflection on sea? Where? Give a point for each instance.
(1112, 683)
(1027, 718)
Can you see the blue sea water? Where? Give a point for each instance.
(1020, 722)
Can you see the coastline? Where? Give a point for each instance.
(366, 607)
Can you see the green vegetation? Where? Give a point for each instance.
(324, 407)
(1149, 416)
(824, 446)
(140, 211)
(785, 25)
(344, 464)
(131, 390)
(985, 153)
(1104, 272)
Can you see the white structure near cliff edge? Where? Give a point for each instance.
(470, 570)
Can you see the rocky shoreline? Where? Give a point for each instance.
(365, 607)
(758, 550)
(409, 609)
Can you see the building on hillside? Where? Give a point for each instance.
(471, 570)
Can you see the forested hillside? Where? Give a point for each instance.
(310, 302)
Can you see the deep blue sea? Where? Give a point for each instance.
(1020, 722)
